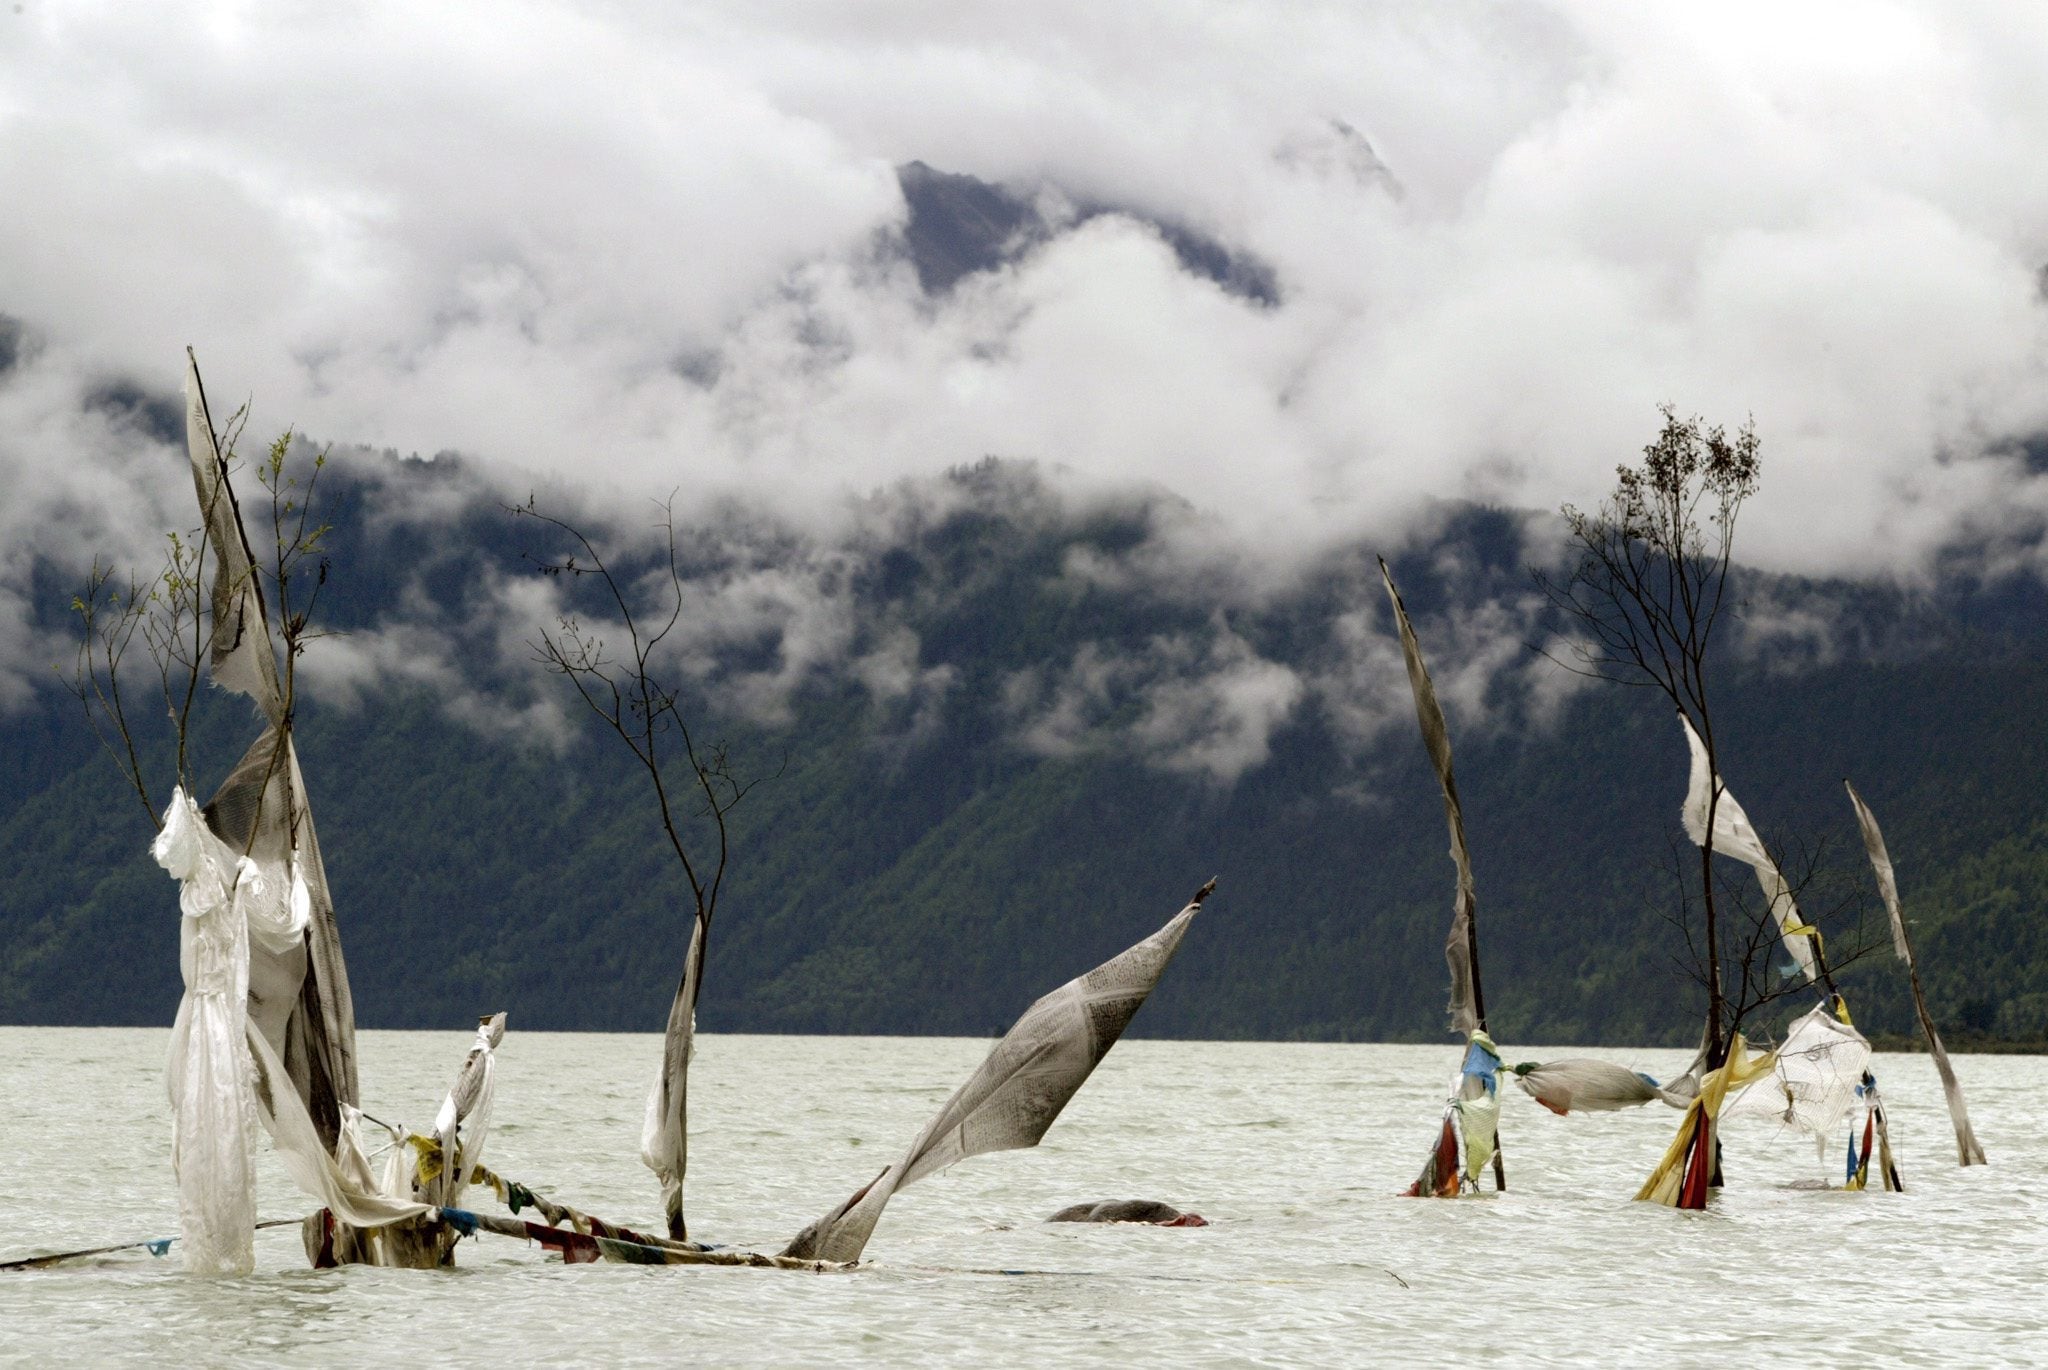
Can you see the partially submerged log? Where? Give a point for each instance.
(1147, 1211)
(419, 1166)
(631, 1248)
(516, 1196)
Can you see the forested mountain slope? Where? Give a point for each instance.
(927, 857)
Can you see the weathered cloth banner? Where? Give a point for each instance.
(223, 1074)
(1736, 836)
(1015, 1095)
(665, 1130)
(1591, 1086)
(1687, 1172)
(1436, 739)
(1968, 1152)
(1817, 1079)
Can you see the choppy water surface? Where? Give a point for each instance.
(1295, 1153)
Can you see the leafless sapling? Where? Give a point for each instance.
(181, 623)
(695, 784)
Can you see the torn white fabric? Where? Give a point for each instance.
(261, 808)
(223, 1075)
(1813, 1085)
(1736, 836)
(209, 1067)
(345, 1186)
(665, 1128)
(464, 1118)
(327, 1021)
(278, 919)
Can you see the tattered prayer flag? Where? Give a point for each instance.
(1017, 1092)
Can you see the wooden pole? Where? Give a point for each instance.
(157, 1245)
(1500, 1172)
(1429, 717)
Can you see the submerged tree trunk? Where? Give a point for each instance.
(1461, 947)
(1500, 1173)
(1717, 1041)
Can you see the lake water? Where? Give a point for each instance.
(1295, 1152)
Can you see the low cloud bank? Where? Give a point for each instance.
(1308, 275)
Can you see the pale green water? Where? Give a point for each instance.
(1295, 1152)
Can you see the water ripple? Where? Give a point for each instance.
(1295, 1153)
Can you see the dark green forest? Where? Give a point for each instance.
(891, 878)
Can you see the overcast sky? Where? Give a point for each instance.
(635, 243)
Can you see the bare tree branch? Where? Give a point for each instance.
(1645, 592)
(1754, 964)
(693, 783)
(172, 613)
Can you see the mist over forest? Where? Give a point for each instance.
(1031, 462)
(1000, 730)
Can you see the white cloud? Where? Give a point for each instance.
(74, 485)
(1206, 705)
(896, 679)
(1215, 716)
(1491, 660)
(461, 658)
(633, 247)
